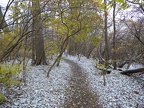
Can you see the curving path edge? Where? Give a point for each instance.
(78, 94)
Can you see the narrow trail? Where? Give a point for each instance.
(78, 94)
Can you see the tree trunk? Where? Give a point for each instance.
(129, 72)
(63, 47)
(114, 37)
(38, 53)
(90, 51)
(2, 20)
(106, 36)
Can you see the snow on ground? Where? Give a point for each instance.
(121, 91)
(40, 91)
(134, 66)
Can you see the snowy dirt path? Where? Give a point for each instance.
(78, 94)
(121, 91)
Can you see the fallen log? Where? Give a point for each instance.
(129, 72)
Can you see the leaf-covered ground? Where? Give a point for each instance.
(121, 91)
(40, 91)
(78, 94)
(65, 85)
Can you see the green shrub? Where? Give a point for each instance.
(2, 98)
(9, 73)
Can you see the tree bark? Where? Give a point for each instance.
(114, 37)
(106, 36)
(2, 23)
(38, 52)
(129, 72)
